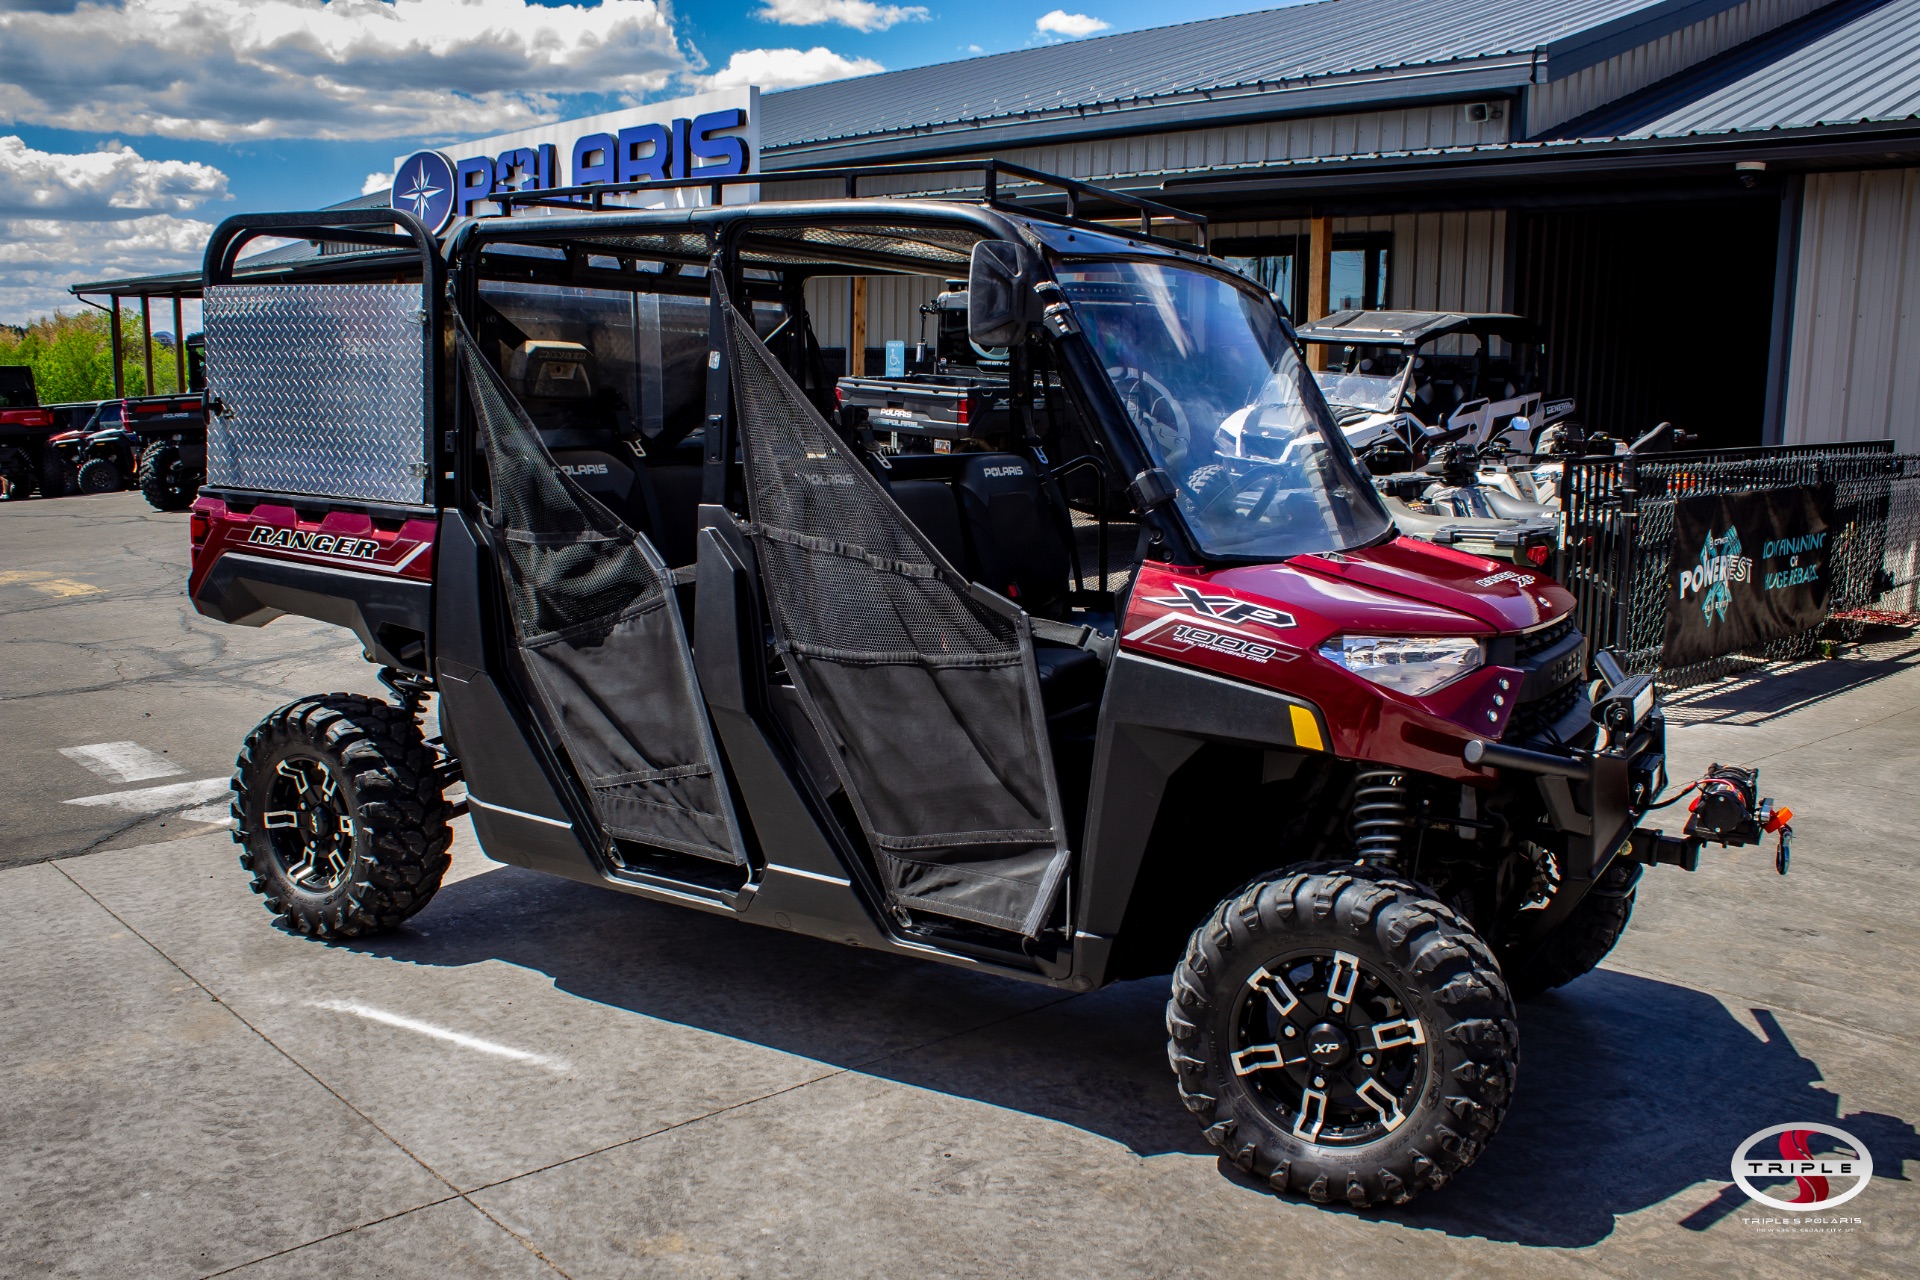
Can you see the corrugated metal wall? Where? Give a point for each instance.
(1439, 262)
(1567, 97)
(893, 309)
(1854, 367)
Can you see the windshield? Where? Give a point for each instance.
(1225, 407)
(1362, 377)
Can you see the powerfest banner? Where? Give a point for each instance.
(1747, 568)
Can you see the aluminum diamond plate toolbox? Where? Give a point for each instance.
(320, 390)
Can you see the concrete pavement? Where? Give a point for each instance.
(537, 1077)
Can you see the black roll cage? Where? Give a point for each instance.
(726, 229)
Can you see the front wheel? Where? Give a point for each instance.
(16, 474)
(339, 815)
(1343, 1035)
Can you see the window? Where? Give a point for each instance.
(1357, 280)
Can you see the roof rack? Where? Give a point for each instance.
(594, 196)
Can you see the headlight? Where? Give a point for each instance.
(1407, 664)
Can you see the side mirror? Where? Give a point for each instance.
(997, 296)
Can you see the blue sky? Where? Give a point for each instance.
(129, 127)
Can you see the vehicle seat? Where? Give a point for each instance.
(1018, 548)
(931, 507)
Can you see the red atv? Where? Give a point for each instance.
(695, 638)
(26, 463)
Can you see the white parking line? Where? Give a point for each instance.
(122, 761)
(174, 795)
(460, 1038)
(214, 815)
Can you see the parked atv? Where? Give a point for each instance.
(1356, 792)
(158, 443)
(25, 427)
(1400, 382)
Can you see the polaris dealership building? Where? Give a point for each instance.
(1712, 207)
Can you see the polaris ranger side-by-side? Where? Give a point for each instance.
(580, 473)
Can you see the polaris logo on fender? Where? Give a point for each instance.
(1226, 608)
(326, 544)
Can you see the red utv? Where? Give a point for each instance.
(696, 637)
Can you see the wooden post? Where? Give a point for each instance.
(1319, 282)
(179, 349)
(146, 334)
(857, 342)
(113, 341)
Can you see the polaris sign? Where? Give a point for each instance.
(711, 135)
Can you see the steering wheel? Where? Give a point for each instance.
(1155, 408)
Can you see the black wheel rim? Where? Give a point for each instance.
(309, 824)
(1329, 1046)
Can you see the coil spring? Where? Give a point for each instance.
(1380, 817)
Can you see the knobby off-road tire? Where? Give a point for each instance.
(1427, 1013)
(339, 814)
(56, 477)
(101, 475)
(16, 474)
(1583, 939)
(165, 480)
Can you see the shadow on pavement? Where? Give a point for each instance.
(1631, 1089)
(1771, 692)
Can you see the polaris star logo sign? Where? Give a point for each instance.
(710, 135)
(424, 188)
(1839, 1172)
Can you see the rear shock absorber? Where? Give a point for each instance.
(1380, 818)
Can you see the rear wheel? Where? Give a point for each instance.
(101, 475)
(339, 815)
(165, 479)
(56, 477)
(1342, 1035)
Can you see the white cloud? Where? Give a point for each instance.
(92, 216)
(1059, 22)
(113, 182)
(786, 68)
(378, 180)
(861, 15)
(232, 69)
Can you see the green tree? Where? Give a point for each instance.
(72, 358)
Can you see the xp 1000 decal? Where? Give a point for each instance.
(1747, 568)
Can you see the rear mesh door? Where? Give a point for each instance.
(597, 625)
(928, 698)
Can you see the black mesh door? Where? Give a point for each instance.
(596, 623)
(928, 698)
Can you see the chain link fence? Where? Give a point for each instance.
(1617, 549)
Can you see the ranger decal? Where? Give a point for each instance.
(326, 544)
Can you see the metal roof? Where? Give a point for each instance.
(1308, 56)
(1855, 62)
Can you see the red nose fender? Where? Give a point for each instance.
(1500, 595)
(1263, 624)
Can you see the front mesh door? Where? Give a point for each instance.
(928, 698)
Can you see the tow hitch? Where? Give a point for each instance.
(1726, 812)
